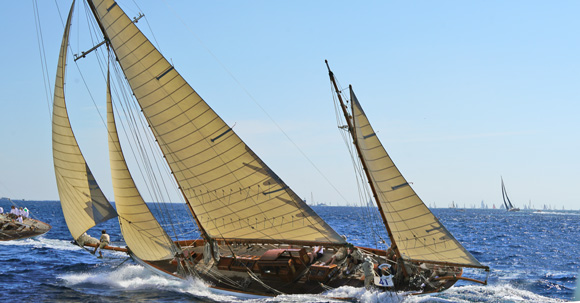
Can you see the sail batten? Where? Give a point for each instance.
(83, 203)
(204, 154)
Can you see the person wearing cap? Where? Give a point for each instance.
(104, 241)
(26, 213)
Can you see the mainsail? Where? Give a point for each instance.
(142, 233)
(83, 203)
(232, 193)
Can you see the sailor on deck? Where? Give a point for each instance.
(367, 268)
(104, 241)
(317, 252)
(1, 210)
(340, 254)
(14, 213)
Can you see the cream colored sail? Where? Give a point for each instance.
(233, 194)
(83, 203)
(417, 233)
(143, 234)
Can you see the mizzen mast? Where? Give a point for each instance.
(350, 123)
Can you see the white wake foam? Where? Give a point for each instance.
(136, 277)
(489, 293)
(41, 242)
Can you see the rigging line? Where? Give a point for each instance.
(137, 227)
(144, 165)
(157, 45)
(128, 258)
(151, 174)
(42, 55)
(362, 190)
(145, 231)
(161, 169)
(346, 136)
(253, 276)
(256, 102)
(59, 14)
(357, 164)
(159, 197)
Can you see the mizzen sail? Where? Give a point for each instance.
(142, 232)
(83, 203)
(416, 232)
(233, 194)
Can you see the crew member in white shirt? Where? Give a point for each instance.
(14, 212)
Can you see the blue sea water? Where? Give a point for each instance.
(534, 257)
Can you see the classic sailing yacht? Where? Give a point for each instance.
(506, 200)
(258, 237)
(16, 227)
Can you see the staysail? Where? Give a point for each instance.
(232, 193)
(417, 233)
(143, 234)
(83, 203)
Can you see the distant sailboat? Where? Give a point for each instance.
(16, 227)
(258, 237)
(506, 200)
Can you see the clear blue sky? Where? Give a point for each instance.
(460, 92)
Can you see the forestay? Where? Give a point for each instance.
(83, 203)
(232, 193)
(417, 233)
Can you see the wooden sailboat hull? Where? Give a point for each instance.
(13, 230)
(244, 276)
